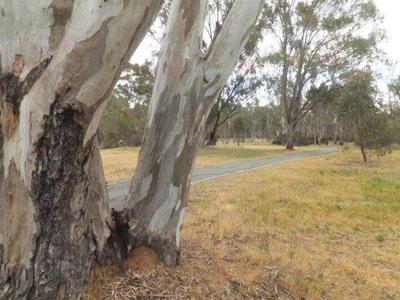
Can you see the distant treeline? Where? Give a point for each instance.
(123, 125)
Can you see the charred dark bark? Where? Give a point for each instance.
(120, 241)
(74, 229)
(63, 258)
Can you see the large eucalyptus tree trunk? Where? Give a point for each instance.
(290, 131)
(59, 60)
(187, 84)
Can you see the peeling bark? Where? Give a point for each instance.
(13, 91)
(55, 222)
(62, 11)
(186, 87)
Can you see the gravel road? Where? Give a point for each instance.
(118, 192)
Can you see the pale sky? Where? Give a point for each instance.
(390, 9)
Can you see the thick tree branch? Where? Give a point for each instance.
(227, 46)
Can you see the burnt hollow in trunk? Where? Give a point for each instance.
(63, 257)
(69, 209)
(70, 214)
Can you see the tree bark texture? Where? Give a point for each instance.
(290, 136)
(187, 84)
(59, 61)
(213, 137)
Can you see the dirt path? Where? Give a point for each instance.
(118, 192)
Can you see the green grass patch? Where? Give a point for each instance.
(379, 237)
(199, 202)
(378, 184)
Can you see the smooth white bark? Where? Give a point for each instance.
(186, 86)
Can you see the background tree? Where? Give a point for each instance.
(239, 128)
(393, 108)
(136, 83)
(239, 90)
(124, 119)
(121, 124)
(323, 117)
(373, 129)
(394, 87)
(260, 122)
(315, 42)
(394, 104)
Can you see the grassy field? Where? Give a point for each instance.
(319, 228)
(119, 164)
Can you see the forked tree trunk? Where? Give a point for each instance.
(186, 87)
(55, 223)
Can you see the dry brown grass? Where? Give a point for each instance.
(119, 163)
(318, 228)
(329, 227)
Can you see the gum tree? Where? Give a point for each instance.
(314, 43)
(187, 84)
(394, 105)
(365, 118)
(59, 61)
